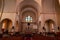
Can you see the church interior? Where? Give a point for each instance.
(29, 19)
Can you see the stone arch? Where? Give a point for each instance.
(6, 24)
(50, 25)
(27, 6)
(29, 13)
(28, 3)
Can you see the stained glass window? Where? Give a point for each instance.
(28, 19)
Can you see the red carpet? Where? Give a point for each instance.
(27, 38)
(34, 37)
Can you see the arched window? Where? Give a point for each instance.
(28, 19)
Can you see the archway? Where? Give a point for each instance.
(50, 25)
(28, 17)
(28, 11)
(6, 25)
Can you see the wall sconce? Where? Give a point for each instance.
(44, 29)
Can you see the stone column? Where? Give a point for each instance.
(0, 28)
